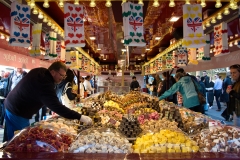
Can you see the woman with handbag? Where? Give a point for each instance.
(234, 94)
(186, 86)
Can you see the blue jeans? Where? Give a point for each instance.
(14, 123)
(236, 120)
(217, 94)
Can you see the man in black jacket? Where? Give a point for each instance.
(134, 86)
(32, 92)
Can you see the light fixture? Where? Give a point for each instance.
(32, 4)
(46, 4)
(174, 19)
(2, 36)
(29, 48)
(203, 4)
(92, 3)
(157, 38)
(210, 50)
(53, 26)
(92, 38)
(122, 40)
(219, 16)
(123, 50)
(99, 49)
(139, 58)
(108, 3)
(236, 35)
(213, 20)
(76, 2)
(187, 2)
(208, 24)
(56, 29)
(7, 38)
(171, 4)
(140, 2)
(40, 15)
(59, 32)
(236, 42)
(218, 4)
(143, 55)
(35, 11)
(147, 49)
(230, 44)
(155, 3)
(204, 27)
(231, 37)
(231, 5)
(61, 4)
(45, 19)
(235, 6)
(226, 11)
(49, 23)
(123, 1)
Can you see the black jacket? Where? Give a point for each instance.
(133, 85)
(32, 92)
(59, 91)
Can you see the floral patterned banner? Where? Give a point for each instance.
(221, 39)
(182, 54)
(169, 61)
(175, 59)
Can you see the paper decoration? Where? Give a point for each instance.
(47, 46)
(53, 45)
(20, 25)
(160, 64)
(175, 59)
(73, 59)
(36, 34)
(206, 50)
(169, 61)
(133, 24)
(192, 56)
(182, 54)
(74, 25)
(193, 36)
(58, 49)
(63, 51)
(200, 53)
(68, 59)
(221, 39)
(80, 61)
(151, 68)
(85, 63)
(147, 69)
(164, 63)
(143, 71)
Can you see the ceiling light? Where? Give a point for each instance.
(99, 49)
(92, 38)
(203, 4)
(157, 38)
(35, 11)
(56, 29)
(143, 55)
(226, 11)
(213, 20)
(45, 19)
(235, 6)
(139, 59)
(122, 40)
(171, 4)
(208, 24)
(236, 42)
(40, 16)
(108, 3)
(49, 23)
(76, 2)
(231, 5)
(140, 2)
(92, 3)
(123, 50)
(7, 39)
(61, 4)
(187, 2)
(46, 4)
(147, 49)
(32, 4)
(210, 50)
(230, 44)
(29, 48)
(203, 27)
(59, 32)
(2, 36)
(53, 26)
(174, 19)
(218, 4)
(155, 3)
(236, 35)
(219, 16)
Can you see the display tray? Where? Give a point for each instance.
(132, 156)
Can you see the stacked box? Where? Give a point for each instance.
(130, 127)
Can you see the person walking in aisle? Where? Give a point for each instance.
(217, 90)
(210, 95)
(88, 85)
(32, 92)
(234, 94)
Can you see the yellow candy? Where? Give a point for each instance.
(195, 148)
(171, 150)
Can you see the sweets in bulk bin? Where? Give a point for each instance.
(165, 141)
(130, 127)
(100, 141)
(146, 116)
(226, 139)
(113, 106)
(110, 118)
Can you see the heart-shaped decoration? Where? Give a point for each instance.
(25, 9)
(192, 16)
(143, 40)
(129, 13)
(132, 34)
(134, 14)
(70, 8)
(81, 15)
(28, 41)
(200, 15)
(70, 35)
(14, 13)
(203, 41)
(18, 7)
(79, 35)
(21, 40)
(25, 35)
(16, 34)
(141, 14)
(137, 8)
(189, 42)
(191, 35)
(66, 15)
(196, 41)
(21, 15)
(139, 34)
(78, 9)
(137, 40)
(75, 41)
(131, 6)
(74, 15)
(28, 16)
(12, 40)
(129, 40)
(195, 8)
(82, 41)
(67, 42)
(189, 8)
(185, 16)
(199, 35)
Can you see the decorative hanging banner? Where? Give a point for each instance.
(192, 55)
(63, 51)
(143, 71)
(182, 54)
(133, 24)
(164, 63)
(73, 59)
(58, 49)
(160, 64)
(80, 61)
(74, 25)
(175, 60)
(68, 59)
(36, 40)
(47, 46)
(221, 39)
(53, 44)
(169, 61)
(151, 68)
(193, 36)
(20, 25)
(203, 52)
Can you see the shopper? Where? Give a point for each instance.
(226, 82)
(134, 86)
(209, 92)
(217, 90)
(206, 79)
(185, 85)
(82, 88)
(234, 94)
(2, 74)
(203, 88)
(181, 70)
(88, 85)
(153, 86)
(32, 92)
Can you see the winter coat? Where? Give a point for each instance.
(225, 96)
(187, 89)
